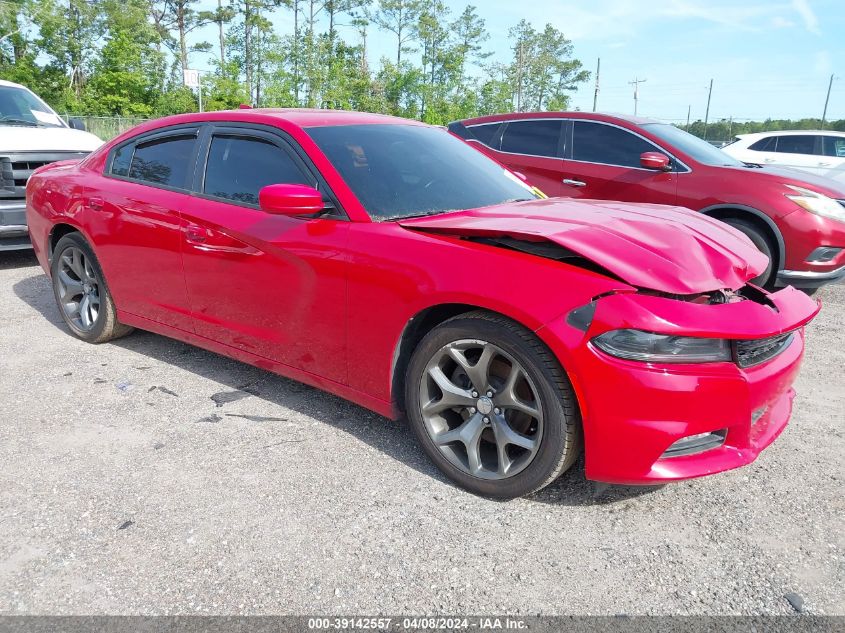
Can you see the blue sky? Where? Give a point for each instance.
(768, 58)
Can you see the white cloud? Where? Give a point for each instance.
(811, 22)
(621, 19)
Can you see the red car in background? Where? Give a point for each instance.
(795, 218)
(390, 263)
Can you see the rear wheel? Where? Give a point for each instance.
(761, 241)
(81, 292)
(491, 406)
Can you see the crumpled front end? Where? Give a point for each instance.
(652, 422)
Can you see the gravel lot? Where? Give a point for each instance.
(148, 476)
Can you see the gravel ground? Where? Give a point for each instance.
(150, 477)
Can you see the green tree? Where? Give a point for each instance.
(399, 17)
(543, 70)
(129, 71)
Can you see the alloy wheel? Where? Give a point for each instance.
(481, 409)
(78, 289)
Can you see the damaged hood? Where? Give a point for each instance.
(669, 249)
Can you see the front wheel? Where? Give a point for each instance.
(81, 292)
(767, 277)
(491, 406)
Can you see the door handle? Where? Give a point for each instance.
(574, 183)
(95, 203)
(196, 234)
(824, 164)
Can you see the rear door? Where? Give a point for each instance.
(271, 285)
(533, 148)
(603, 163)
(801, 151)
(135, 209)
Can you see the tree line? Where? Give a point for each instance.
(126, 57)
(726, 129)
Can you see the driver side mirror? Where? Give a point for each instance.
(655, 161)
(76, 124)
(290, 200)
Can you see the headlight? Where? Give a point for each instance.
(817, 203)
(663, 348)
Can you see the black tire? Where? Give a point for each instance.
(560, 441)
(105, 326)
(767, 277)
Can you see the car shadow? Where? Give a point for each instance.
(17, 259)
(392, 438)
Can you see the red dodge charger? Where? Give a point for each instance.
(390, 263)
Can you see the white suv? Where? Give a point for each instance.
(31, 135)
(821, 152)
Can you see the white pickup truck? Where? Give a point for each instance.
(31, 135)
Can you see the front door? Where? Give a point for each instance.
(271, 285)
(603, 163)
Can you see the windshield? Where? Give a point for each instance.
(399, 171)
(21, 107)
(692, 146)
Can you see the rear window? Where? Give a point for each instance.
(535, 138)
(798, 144)
(163, 161)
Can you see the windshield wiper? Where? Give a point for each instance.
(19, 122)
(509, 200)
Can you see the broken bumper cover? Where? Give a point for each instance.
(633, 412)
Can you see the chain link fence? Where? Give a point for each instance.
(106, 127)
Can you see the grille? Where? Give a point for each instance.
(749, 353)
(15, 170)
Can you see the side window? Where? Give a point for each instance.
(537, 138)
(121, 160)
(485, 133)
(797, 144)
(238, 167)
(764, 144)
(834, 146)
(608, 145)
(163, 161)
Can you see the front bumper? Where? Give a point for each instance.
(13, 231)
(633, 412)
(805, 234)
(810, 278)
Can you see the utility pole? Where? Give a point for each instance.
(519, 79)
(596, 94)
(636, 83)
(707, 112)
(689, 110)
(827, 100)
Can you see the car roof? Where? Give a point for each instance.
(10, 84)
(790, 133)
(301, 117)
(609, 117)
